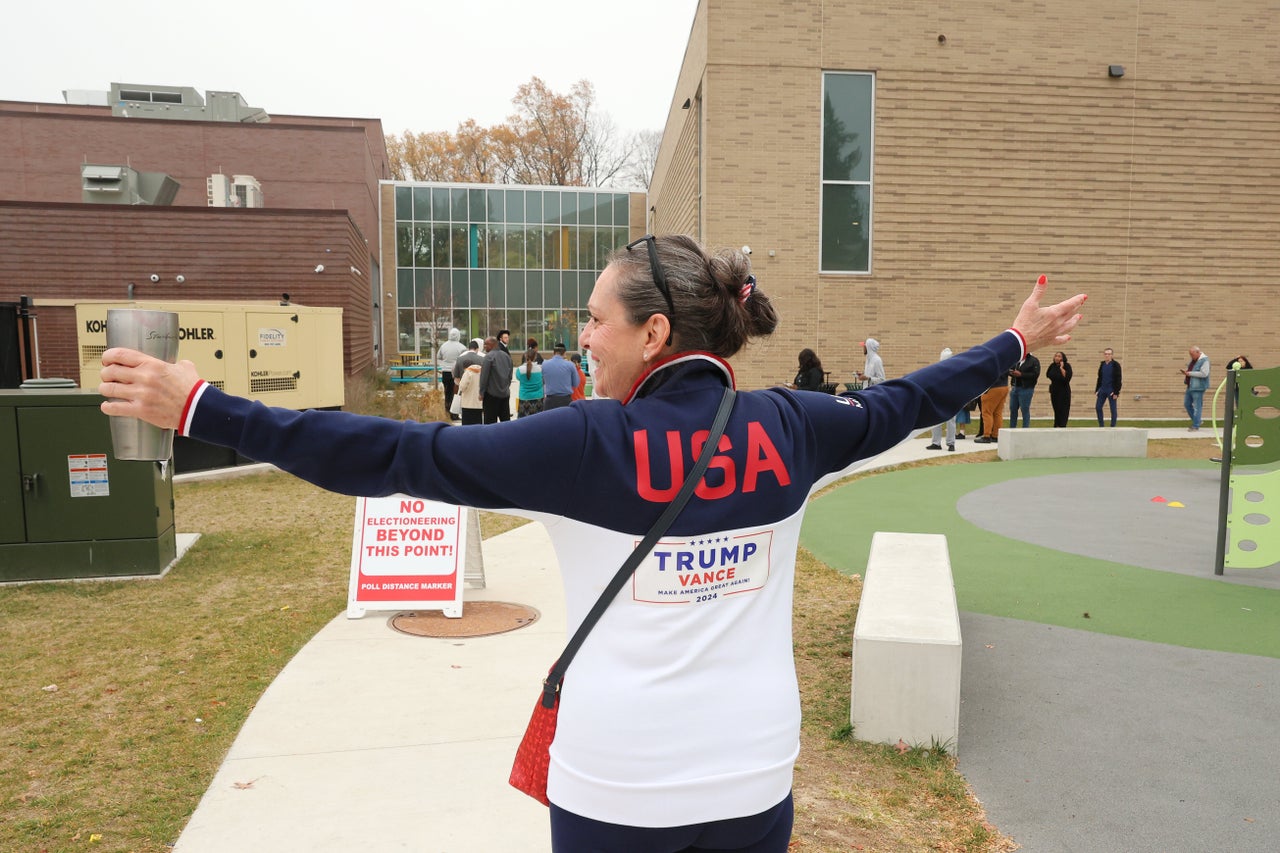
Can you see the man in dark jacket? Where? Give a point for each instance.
(1107, 388)
(1022, 385)
(495, 383)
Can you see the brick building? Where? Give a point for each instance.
(905, 171)
(319, 182)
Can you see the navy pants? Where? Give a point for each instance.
(1105, 397)
(767, 832)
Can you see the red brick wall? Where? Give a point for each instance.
(89, 251)
(302, 162)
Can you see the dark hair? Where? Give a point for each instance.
(707, 290)
(1243, 361)
(809, 360)
(1063, 354)
(576, 358)
(530, 357)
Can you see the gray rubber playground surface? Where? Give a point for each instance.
(1113, 515)
(1079, 741)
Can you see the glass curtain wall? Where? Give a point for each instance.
(484, 258)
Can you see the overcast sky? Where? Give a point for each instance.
(418, 65)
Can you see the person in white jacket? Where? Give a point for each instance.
(872, 372)
(446, 356)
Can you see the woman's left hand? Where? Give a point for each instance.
(1048, 325)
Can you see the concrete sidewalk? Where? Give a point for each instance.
(373, 739)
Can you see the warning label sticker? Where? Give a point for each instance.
(88, 475)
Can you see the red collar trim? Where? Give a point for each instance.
(680, 358)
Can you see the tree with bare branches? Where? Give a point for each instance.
(551, 139)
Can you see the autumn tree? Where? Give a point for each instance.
(466, 156)
(551, 139)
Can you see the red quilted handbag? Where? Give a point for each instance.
(533, 757)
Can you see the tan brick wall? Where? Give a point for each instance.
(1003, 153)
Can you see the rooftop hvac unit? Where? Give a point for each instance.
(101, 184)
(247, 190)
(234, 191)
(219, 187)
(181, 102)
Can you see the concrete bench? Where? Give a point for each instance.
(906, 644)
(1074, 441)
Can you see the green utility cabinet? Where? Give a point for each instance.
(68, 507)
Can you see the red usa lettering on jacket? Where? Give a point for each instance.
(761, 458)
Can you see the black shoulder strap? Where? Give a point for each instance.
(551, 685)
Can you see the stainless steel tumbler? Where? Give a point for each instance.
(156, 334)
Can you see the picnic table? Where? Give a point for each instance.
(412, 372)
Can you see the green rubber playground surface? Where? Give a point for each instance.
(1000, 576)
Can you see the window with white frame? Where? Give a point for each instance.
(847, 114)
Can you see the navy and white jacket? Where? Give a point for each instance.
(682, 706)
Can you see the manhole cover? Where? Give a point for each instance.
(479, 619)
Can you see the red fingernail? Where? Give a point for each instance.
(1042, 279)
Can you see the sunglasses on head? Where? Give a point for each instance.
(659, 277)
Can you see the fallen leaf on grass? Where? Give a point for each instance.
(51, 688)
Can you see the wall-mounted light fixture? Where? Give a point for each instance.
(688, 102)
(1115, 70)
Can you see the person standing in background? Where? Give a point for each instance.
(1022, 386)
(1059, 376)
(559, 378)
(471, 405)
(468, 358)
(950, 425)
(991, 403)
(446, 358)
(872, 372)
(532, 393)
(1196, 377)
(495, 382)
(809, 373)
(579, 390)
(1107, 388)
